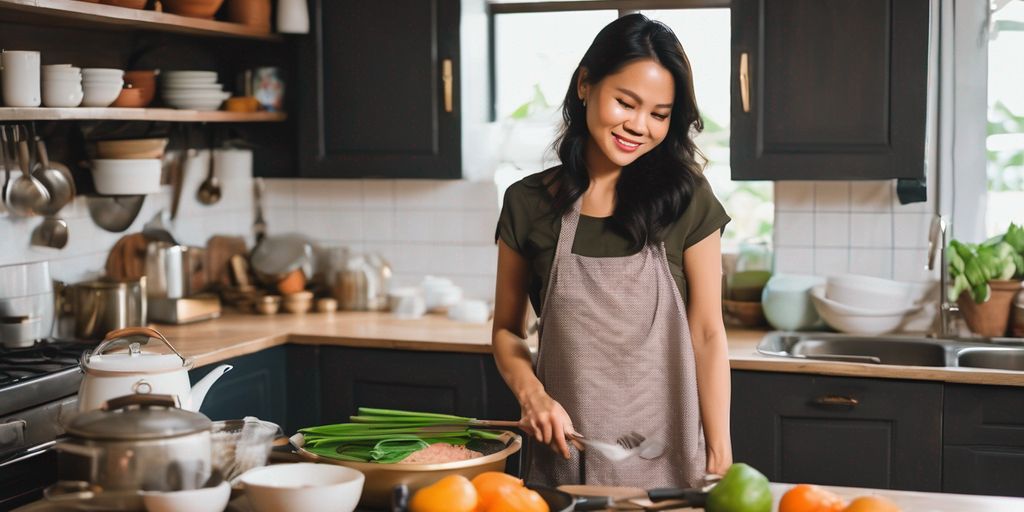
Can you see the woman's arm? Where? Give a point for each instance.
(703, 266)
(542, 416)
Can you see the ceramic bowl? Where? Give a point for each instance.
(786, 301)
(62, 94)
(868, 292)
(130, 98)
(100, 96)
(857, 321)
(131, 148)
(303, 487)
(193, 8)
(207, 499)
(126, 177)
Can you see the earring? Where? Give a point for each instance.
(584, 102)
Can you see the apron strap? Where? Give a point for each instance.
(567, 233)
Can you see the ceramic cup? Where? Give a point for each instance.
(406, 303)
(21, 71)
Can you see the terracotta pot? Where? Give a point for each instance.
(1018, 316)
(255, 13)
(193, 8)
(990, 318)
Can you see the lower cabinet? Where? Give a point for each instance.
(983, 439)
(855, 432)
(256, 386)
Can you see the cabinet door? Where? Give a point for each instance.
(377, 100)
(839, 431)
(256, 386)
(983, 434)
(828, 89)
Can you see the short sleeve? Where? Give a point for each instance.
(513, 221)
(704, 216)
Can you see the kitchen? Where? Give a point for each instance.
(356, 214)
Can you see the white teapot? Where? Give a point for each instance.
(110, 375)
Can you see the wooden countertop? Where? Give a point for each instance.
(236, 334)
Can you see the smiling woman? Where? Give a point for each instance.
(618, 247)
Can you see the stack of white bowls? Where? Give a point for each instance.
(62, 86)
(860, 304)
(193, 90)
(101, 85)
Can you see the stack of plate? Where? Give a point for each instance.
(193, 90)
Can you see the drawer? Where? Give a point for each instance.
(983, 415)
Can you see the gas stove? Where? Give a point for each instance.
(39, 374)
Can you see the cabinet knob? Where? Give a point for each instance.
(745, 81)
(446, 78)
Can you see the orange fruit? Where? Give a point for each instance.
(871, 504)
(517, 499)
(453, 493)
(810, 498)
(489, 484)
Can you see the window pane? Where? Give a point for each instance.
(1005, 143)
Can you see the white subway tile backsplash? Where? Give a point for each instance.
(832, 230)
(329, 194)
(279, 193)
(871, 196)
(832, 196)
(794, 229)
(871, 262)
(794, 196)
(912, 265)
(379, 194)
(910, 230)
(479, 260)
(445, 195)
(794, 260)
(829, 261)
(871, 230)
(379, 225)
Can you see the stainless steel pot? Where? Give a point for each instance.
(173, 271)
(103, 306)
(137, 443)
(361, 283)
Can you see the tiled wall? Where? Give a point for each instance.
(86, 252)
(833, 227)
(443, 228)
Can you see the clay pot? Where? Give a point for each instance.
(990, 318)
(254, 13)
(193, 8)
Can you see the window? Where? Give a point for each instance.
(534, 56)
(1005, 141)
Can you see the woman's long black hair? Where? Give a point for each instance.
(653, 191)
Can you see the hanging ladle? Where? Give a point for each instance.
(209, 189)
(53, 232)
(25, 195)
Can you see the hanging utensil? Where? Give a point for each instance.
(209, 190)
(52, 232)
(26, 195)
(114, 213)
(259, 224)
(178, 167)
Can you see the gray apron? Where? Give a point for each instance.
(615, 351)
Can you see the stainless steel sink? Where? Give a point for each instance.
(998, 358)
(894, 350)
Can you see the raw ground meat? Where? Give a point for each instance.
(440, 452)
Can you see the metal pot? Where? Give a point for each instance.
(103, 306)
(174, 271)
(277, 257)
(137, 443)
(361, 283)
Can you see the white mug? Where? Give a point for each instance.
(21, 78)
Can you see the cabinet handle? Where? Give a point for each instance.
(745, 81)
(446, 77)
(836, 401)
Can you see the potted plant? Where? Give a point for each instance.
(986, 278)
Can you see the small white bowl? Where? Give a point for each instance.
(62, 94)
(95, 96)
(127, 176)
(856, 323)
(104, 72)
(868, 292)
(303, 487)
(195, 75)
(208, 499)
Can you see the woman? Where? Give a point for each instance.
(618, 249)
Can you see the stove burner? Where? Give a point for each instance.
(21, 364)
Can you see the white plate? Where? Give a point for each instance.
(190, 74)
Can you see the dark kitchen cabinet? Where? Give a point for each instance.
(983, 440)
(829, 89)
(382, 90)
(855, 432)
(256, 386)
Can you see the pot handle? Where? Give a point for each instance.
(119, 337)
(141, 400)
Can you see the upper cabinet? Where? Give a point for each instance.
(829, 89)
(381, 90)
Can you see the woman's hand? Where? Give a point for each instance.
(718, 464)
(546, 420)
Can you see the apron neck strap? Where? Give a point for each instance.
(567, 233)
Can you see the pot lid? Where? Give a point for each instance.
(278, 255)
(138, 417)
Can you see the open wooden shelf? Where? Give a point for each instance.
(135, 114)
(76, 13)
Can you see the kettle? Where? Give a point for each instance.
(110, 375)
(361, 283)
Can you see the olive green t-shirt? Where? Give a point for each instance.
(528, 226)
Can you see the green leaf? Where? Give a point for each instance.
(975, 275)
(956, 263)
(981, 293)
(959, 285)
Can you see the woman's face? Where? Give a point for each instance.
(628, 112)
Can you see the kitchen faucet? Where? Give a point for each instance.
(937, 245)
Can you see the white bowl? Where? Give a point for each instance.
(202, 95)
(819, 293)
(205, 106)
(189, 74)
(105, 72)
(126, 177)
(786, 301)
(191, 88)
(841, 319)
(868, 292)
(303, 487)
(62, 94)
(99, 96)
(208, 499)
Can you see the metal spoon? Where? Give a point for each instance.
(27, 196)
(8, 162)
(52, 232)
(209, 189)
